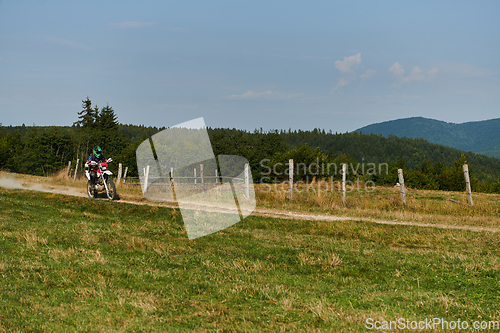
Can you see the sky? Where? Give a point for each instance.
(333, 65)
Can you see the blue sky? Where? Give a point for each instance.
(277, 65)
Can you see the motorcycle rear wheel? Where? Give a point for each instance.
(111, 192)
(91, 191)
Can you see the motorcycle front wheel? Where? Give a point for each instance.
(90, 191)
(111, 192)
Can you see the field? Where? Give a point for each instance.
(73, 264)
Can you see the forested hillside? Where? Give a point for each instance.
(379, 149)
(45, 150)
(481, 137)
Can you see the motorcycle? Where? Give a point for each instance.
(103, 179)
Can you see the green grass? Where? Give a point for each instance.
(74, 264)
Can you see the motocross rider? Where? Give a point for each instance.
(96, 156)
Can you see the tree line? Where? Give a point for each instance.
(45, 150)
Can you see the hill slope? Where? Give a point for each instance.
(481, 137)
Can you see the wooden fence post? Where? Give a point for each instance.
(344, 172)
(290, 176)
(402, 185)
(119, 174)
(467, 184)
(125, 175)
(195, 180)
(69, 169)
(247, 181)
(76, 169)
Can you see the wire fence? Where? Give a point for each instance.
(413, 179)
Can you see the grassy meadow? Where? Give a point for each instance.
(73, 264)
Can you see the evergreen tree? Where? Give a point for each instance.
(107, 119)
(87, 117)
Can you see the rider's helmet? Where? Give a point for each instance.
(98, 152)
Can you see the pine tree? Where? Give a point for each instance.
(107, 119)
(87, 117)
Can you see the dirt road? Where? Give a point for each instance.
(12, 183)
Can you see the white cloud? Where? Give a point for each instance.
(397, 69)
(130, 24)
(265, 95)
(368, 74)
(433, 71)
(416, 73)
(347, 67)
(349, 63)
(342, 82)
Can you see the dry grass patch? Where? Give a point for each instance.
(139, 243)
(330, 261)
(86, 292)
(82, 255)
(321, 309)
(27, 265)
(60, 176)
(95, 256)
(248, 266)
(31, 239)
(287, 303)
(67, 212)
(146, 302)
(90, 215)
(89, 238)
(57, 254)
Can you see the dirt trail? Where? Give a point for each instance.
(11, 183)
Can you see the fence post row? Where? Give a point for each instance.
(402, 185)
(290, 175)
(344, 172)
(467, 184)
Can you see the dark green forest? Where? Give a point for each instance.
(43, 151)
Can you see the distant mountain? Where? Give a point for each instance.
(482, 137)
